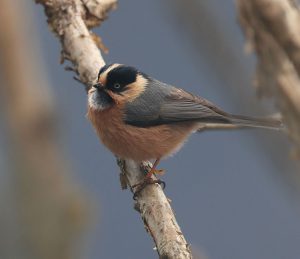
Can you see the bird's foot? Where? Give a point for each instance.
(149, 170)
(147, 180)
(159, 171)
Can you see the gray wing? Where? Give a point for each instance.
(164, 104)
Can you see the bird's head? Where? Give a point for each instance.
(116, 85)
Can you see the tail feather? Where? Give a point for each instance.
(245, 121)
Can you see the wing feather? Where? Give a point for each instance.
(164, 104)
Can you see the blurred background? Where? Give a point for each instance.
(235, 193)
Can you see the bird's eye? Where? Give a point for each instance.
(117, 86)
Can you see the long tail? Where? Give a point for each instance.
(245, 121)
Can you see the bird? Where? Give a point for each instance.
(140, 118)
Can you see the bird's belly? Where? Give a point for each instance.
(140, 144)
(143, 143)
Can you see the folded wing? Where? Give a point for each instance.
(164, 104)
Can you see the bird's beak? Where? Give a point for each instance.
(98, 86)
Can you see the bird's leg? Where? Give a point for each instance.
(153, 169)
(148, 178)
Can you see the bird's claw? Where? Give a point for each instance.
(146, 168)
(140, 186)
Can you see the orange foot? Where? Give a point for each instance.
(150, 170)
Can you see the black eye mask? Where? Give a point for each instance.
(122, 76)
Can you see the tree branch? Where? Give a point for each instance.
(272, 28)
(50, 210)
(70, 21)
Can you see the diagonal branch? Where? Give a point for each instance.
(272, 28)
(71, 20)
(48, 209)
